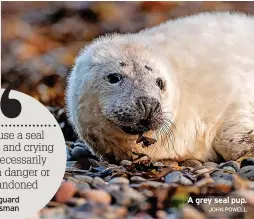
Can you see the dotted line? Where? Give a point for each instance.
(28, 125)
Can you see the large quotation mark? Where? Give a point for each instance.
(11, 108)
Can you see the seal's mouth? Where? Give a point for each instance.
(133, 131)
(143, 126)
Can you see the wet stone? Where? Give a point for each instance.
(192, 163)
(177, 177)
(79, 152)
(247, 172)
(211, 164)
(231, 163)
(119, 180)
(247, 162)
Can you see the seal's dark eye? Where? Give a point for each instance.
(114, 78)
(160, 83)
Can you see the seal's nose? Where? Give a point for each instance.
(148, 105)
(149, 108)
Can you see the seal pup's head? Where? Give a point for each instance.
(119, 88)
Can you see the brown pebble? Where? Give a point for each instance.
(192, 163)
(211, 164)
(97, 195)
(65, 192)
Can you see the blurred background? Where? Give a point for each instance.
(40, 40)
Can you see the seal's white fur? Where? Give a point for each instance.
(207, 61)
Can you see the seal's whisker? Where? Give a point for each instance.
(167, 143)
(169, 124)
(171, 133)
(167, 119)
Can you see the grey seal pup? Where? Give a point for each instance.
(188, 83)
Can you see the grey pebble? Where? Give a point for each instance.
(229, 168)
(137, 179)
(79, 152)
(185, 181)
(125, 163)
(211, 164)
(173, 177)
(231, 163)
(247, 162)
(219, 174)
(83, 186)
(119, 180)
(84, 178)
(222, 178)
(125, 196)
(177, 177)
(98, 182)
(247, 172)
